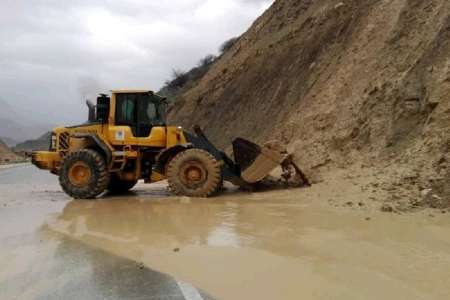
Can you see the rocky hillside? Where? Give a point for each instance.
(343, 83)
(40, 144)
(6, 155)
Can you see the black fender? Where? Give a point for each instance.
(96, 140)
(165, 156)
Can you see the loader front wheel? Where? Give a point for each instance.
(84, 174)
(194, 173)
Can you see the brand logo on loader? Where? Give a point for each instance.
(120, 135)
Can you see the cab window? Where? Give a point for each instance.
(126, 109)
(138, 111)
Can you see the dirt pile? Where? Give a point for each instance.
(6, 155)
(342, 83)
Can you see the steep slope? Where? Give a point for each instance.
(356, 82)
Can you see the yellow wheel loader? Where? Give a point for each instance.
(126, 139)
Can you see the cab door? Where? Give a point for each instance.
(150, 128)
(136, 117)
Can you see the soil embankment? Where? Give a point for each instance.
(344, 83)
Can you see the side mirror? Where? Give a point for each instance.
(103, 108)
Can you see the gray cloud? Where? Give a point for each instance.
(49, 49)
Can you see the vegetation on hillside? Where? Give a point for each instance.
(181, 79)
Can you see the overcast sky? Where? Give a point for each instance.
(51, 52)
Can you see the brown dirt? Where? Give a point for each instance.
(346, 84)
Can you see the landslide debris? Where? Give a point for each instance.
(343, 83)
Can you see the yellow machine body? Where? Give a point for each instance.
(127, 139)
(121, 142)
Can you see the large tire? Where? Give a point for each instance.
(119, 186)
(194, 173)
(84, 174)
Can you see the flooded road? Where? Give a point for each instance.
(39, 263)
(274, 245)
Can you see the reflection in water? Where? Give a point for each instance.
(147, 223)
(175, 223)
(225, 234)
(261, 247)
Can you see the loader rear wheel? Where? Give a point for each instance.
(194, 173)
(84, 174)
(119, 186)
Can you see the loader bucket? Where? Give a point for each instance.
(255, 162)
(252, 163)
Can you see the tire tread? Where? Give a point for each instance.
(98, 168)
(214, 173)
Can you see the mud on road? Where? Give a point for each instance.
(273, 245)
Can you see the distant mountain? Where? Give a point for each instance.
(9, 141)
(42, 143)
(15, 127)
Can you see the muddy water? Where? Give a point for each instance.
(36, 263)
(276, 245)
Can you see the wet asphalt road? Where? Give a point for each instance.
(36, 263)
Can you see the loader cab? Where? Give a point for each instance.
(141, 111)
